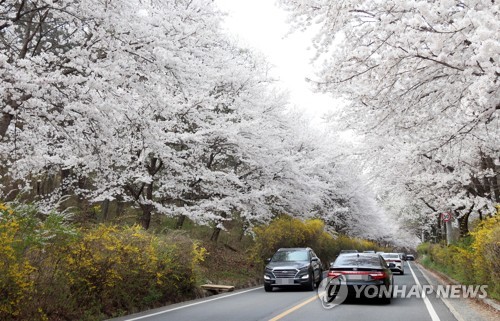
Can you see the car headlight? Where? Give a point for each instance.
(304, 269)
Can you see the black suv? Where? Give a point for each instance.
(293, 267)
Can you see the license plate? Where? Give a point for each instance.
(285, 281)
(356, 277)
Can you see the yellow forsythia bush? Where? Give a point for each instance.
(52, 270)
(16, 284)
(486, 254)
(474, 260)
(129, 268)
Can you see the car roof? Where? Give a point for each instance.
(354, 255)
(294, 248)
(360, 254)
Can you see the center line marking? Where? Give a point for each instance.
(295, 308)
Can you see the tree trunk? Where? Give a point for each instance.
(180, 221)
(4, 123)
(105, 210)
(66, 186)
(147, 208)
(439, 229)
(65, 182)
(119, 207)
(145, 219)
(463, 222)
(492, 182)
(242, 233)
(215, 234)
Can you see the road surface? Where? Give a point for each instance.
(254, 304)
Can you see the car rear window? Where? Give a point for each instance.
(354, 260)
(390, 256)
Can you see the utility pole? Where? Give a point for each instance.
(447, 217)
(449, 233)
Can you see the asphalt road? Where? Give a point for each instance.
(288, 305)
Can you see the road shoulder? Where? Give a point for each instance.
(463, 309)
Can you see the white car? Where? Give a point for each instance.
(395, 258)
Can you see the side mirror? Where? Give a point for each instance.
(315, 259)
(267, 260)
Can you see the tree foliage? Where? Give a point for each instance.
(420, 82)
(150, 104)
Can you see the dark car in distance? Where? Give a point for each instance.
(293, 267)
(363, 271)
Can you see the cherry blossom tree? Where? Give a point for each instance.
(421, 84)
(149, 103)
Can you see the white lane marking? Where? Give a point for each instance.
(192, 304)
(428, 304)
(445, 301)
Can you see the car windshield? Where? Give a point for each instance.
(390, 256)
(290, 256)
(370, 261)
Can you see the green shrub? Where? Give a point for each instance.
(424, 249)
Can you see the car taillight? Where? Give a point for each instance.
(373, 275)
(378, 275)
(333, 274)
(399, 261)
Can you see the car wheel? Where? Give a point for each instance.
(402, 272)
(320, 278)
(386, 297)
(268, 287)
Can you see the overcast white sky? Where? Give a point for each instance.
(262, 25)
